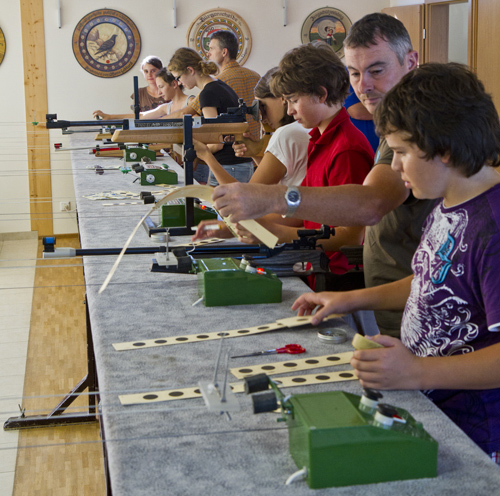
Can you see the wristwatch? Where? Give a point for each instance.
(292, 197)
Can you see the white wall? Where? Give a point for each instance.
(14, 192)
(83, 92)
(73, 93)
(458, 35)
(399, 3)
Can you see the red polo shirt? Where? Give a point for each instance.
(341, 155)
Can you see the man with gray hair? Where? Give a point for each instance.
(378, 53)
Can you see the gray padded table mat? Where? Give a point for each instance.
(178, 447)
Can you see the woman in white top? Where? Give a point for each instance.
(285, 157)
(172, 92)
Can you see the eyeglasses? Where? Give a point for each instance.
(178, 78)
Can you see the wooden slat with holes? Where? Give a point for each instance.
(237, 387)
(296, 321)
(301, 364)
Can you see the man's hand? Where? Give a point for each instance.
(391, 367)
(242, 201)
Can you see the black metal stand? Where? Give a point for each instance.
(57, 417)
(189, 156)
(137, 107)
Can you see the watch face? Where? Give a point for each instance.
(293, 196)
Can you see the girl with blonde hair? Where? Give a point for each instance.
(189, 69)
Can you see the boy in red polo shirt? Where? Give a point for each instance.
(314, 83)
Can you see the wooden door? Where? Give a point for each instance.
(412, 16)
(486, 59)
(440, 23)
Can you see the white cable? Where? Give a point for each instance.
(197, 302)
(300, 473)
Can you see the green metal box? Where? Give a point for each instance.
(136, 154)
(340, 446)
(222, 282)
(175, 215)
(158, 176)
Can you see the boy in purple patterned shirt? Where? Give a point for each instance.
(445, 134)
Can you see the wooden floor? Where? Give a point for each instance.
(57, 460)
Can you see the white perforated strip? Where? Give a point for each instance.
(194, 392)
(208, 336)
(195, 338)
(292, 365)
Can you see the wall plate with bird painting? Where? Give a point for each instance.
(106, 43)
(198, 35)
(329, 25)
(2, 45)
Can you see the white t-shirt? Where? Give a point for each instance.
(186, 103)
(289, 145)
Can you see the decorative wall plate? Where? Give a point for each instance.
(198, 36)
(2, 45)
(106, 43)
(329, 25)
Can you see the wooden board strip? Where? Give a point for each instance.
(196, 338)
(194, 392)
(37, 164)
(309, 379)
(276, 368)
(209, 336)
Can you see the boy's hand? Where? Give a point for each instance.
(391, 367)
(329, 302)
(211, 229)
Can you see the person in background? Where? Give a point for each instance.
(285, 157)
(223, 50)
(172, 92)
(149, 96)
(189, 69)
(361, 118)
(444, 131)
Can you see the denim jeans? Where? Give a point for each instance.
(241, 172)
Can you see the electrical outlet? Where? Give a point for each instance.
(65, 206)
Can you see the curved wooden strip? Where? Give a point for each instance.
(191, 191)
(205, 193)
